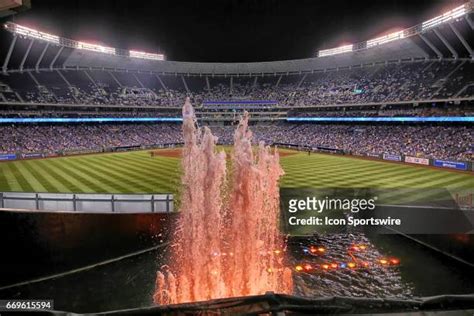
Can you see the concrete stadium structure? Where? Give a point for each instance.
(448, 36)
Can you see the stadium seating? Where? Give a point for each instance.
(430, 141)
(409, 81)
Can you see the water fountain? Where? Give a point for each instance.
(227, 242)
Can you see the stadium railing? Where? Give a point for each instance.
(88, 202)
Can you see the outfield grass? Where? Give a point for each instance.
(137, 172)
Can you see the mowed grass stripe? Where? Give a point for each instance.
(431, 180)
(367, 176)
(4, 179)
(148, 181)
(351, 163)
(408, 167)
(161, 179)
(428, 194)
(433, 174)
(113, 178)
(157, 165)
(434, 181)
(24, 184)
(92, 173)
(160, 170)
(402, 178)
(69, 182)
(42, 178)
(406, 172)
(134, 176)
(346, 178)
(12, 181)
(165, 162)
(330, 167)
(135, 172)
(93, 179)
(33, 181)
(137, 178)
(335, 168)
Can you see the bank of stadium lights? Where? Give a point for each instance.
(385, 39)
(335, 51)
(445, 17)
(35, 34)
(144, 55)
(28, 32)
(96, 48)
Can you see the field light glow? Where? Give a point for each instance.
(336, 51)
(445, 17)
(144, 55)
(96, 48)
(35, 34)
(32, 33)
(385, 39)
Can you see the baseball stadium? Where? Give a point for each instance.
(132, 184)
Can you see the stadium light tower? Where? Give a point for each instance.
(50, 39)
(431, 24)
(385, 39)
(445, 17)
(335, 51)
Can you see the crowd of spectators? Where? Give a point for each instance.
(139, 93)
(429, 141)
(370, 84)
(73, 137)
(84, 114)
(425, 110)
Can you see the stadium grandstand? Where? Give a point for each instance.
(412, 85)
(132, 184)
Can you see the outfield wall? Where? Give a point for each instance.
(438, 163)
(74, 152)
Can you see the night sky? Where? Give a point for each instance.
(228, 30)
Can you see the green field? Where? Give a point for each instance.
(137, 172)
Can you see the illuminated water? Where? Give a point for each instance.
(228, 242)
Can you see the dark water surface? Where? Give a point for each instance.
(129, 283)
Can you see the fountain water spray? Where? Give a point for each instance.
(228, 242)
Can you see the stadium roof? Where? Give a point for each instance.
(449, 35)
